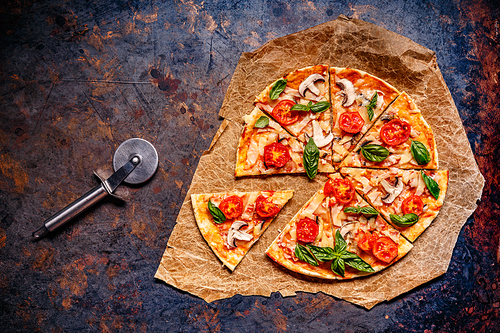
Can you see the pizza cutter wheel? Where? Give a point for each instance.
(135, 162)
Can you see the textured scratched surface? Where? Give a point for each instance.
(79, 77)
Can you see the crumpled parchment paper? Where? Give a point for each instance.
(189, 264)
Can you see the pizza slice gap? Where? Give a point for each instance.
(300, 102)
(338, 235)
(357, 99)
(267, 148)
(409, 199)
(400, 138)
(232, 222)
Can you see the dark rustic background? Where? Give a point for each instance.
(80, 77)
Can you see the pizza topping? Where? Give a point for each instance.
(277, 89)
(262, 122)
(413, 204)
(265, 207)
(276, 154)
(374, 153)
(235, 233)
(232, 207)
(392, 191)
(367, 211)
(351, 122)
(372, 105)
(283, 114)
(404, 221)
(385, 249)
(311, 158)
(420, 153)
(431, 184)
(307, 230)
(308, 83)
(319, 139)
(343, 190)
(366, 240)
(387, 117)
(348, 91)
(395, 132)
(216, 213)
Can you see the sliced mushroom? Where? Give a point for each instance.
(387, 117)
(318, 137)
(362, 100)
(346, 228)
(308, 83)
(392, 191)
(348, 91)
(235, 233)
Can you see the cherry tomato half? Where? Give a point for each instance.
(232, 206)
(276, 154)
(366, 240)
(283, 114)
(413, 204)
(307, 230)
(385, 249)
(265, 207)
(342, 190)
(395, 132)
(351, 122)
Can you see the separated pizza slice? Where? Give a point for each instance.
(232, 222)
(409, 199)
(300, 103)
(337, 235)
(358, 99)
(400, 138)
(266, 148)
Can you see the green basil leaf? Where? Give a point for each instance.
(338, 267)
(374, 153)
(420, 153)
(372, 105)
(277, 89)
(304, 254)
(311, 159)
(404, 221)
(346, 255)
(431, 184)
(367, 211)
(340, 244)
(320, 107)
(321, 253)
(262, 122)
(359, 264)
(217, 214)
(300, 107)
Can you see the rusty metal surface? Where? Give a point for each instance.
(78, 78)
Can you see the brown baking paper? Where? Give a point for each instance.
(189, 264)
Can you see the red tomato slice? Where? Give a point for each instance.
(232, 207)
(265, 207)
(366, 240)
(307, 230)
(343, 190)
(413, 204)
(385, 249)
(283, 114)
(395, 132)
(276, 154)
(351, 122)
(328, 189)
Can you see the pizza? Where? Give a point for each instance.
(400, 138)
(358, 99)
(408, 199)
(266, 148)
(232, 222)
(337, 235)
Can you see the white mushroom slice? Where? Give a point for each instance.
(318, 137)
(346, 228)
(392, 191)
(234, 234)
(308, 83)
(348, 91)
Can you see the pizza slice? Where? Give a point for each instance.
(337, 235)
(266, 148)
(400, 138)
(232, 222)
(358, 99)
(300, 103)
(409, 199)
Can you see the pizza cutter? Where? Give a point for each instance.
(135, 162)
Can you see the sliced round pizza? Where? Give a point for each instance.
(266, 148)
(358, 99)
(400, 138)
(232, 222)
(337, 235)
(409, 199)
(300, 103)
